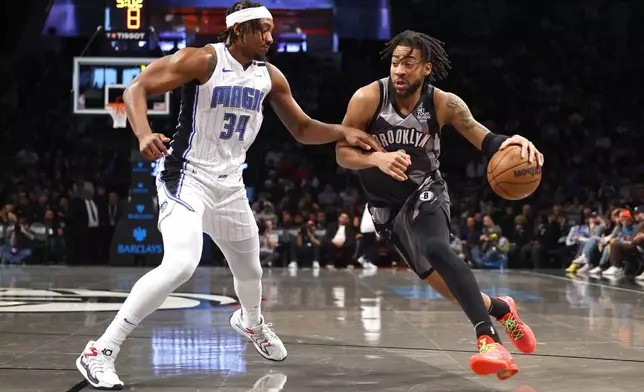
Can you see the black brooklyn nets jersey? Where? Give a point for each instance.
(418, 134)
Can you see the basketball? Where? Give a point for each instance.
(513, 177)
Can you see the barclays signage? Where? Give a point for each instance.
(149, 168)
(140, 188)
(139, 234)
(137, 240)
(140, 213)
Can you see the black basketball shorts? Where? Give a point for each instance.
(395, 223)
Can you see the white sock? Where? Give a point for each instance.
(116, 333)
(183, 244)
(147, 295)
(250, 298)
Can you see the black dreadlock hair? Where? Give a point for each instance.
(229, 36)
(431, 49)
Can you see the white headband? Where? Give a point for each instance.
(247, 14)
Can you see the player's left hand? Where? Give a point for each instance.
(358, 138)
(527, 149)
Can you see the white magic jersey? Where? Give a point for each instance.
(218, 122)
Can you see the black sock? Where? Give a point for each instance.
(498, 308)
(486, 328)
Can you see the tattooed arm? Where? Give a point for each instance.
(459, 116)
(455, 112)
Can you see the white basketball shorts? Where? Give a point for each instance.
(224, 207)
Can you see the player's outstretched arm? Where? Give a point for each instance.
(305, 129)
(163, 75)
(362, 106)
(460, 117)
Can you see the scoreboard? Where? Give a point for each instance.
(132, 12)
(126, 19)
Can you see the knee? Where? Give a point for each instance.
(182, 252)
(440, 254)
(251, 274)
(181, 264)
(244, 259)
(435, 247)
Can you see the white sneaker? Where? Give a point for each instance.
(596, 271)
(583, 269)
(98, 367)
(272, 382)
(580, 260)
(267, 344)
(368, 265)
(612, 271)
(316, 265)
(640, 276)
(292, 265)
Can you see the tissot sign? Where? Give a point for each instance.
(18, 300)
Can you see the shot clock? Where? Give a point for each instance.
(133, 12)
(126, 20)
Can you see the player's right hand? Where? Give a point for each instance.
(394, 164)
(152, 147)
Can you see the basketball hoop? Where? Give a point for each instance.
(117, 111)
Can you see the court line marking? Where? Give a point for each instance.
(534, 273)
(572, 327)
(462, 351)
(40, 369)
(358, 346)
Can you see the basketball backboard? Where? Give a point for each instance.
(99, 81)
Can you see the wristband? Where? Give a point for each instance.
(491, 143)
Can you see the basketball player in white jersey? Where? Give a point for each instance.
(200, 185)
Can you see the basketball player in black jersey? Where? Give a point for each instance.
(406, 195)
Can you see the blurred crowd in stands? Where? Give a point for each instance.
(567, 79)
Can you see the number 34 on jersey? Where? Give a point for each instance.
(236, 97)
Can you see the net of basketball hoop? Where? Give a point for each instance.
(117, 111)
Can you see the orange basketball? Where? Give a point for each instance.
(513, 177)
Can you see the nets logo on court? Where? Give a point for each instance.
(18, 300)
(139, 215)
(140, 234)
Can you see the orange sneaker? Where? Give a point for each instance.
(521, 335)
(493, 358)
